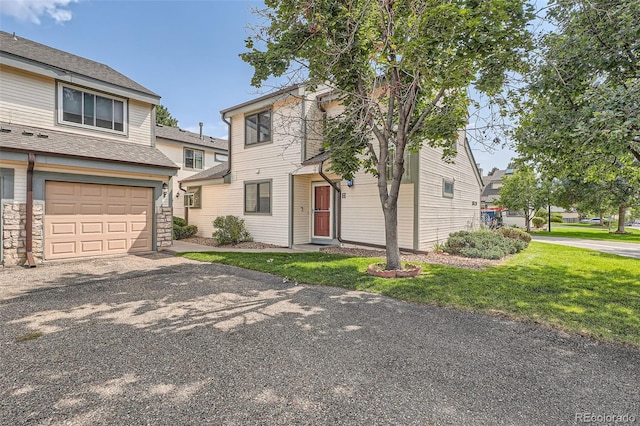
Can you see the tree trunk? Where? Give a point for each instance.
(527, 220)
(391, 234)
(622, 213)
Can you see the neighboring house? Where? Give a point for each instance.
(491, 195)
(80, 175)
(276, 179)
(192, 152)
(490, 205)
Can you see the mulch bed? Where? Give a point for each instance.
(431, 257)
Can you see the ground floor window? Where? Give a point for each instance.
(257, 197)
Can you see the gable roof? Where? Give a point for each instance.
(179, 135)
(17, 46)
(22, 138)
(215, 172)
(489, 193)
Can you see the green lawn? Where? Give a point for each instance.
(574, 289)
(591, 232)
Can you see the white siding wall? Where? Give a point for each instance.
(302, 209)
(175, 152)
(217, 200)
(30, 99)
(272, 161)
(439, 216)
(362, 217)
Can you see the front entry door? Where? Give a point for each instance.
(322, 211)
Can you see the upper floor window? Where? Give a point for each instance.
(408, 173)
(257, 128)
(221, 158)
(193, 159)
(80, 107)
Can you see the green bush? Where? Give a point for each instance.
(514, 234)
(556, 218)
(230, 230)
(182, 230)
(482, 244)
(538, 221)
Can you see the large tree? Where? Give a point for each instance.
(582, 115)
(401, 68)
(163, 116)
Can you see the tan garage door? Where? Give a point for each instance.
(90, 220)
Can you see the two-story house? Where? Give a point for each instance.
(79, 171)
(193, 153)
(276, 179)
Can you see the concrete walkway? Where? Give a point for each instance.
(184, 247)
(611, 247)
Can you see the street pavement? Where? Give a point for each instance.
(611, 247)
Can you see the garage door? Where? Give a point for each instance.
(91, 220)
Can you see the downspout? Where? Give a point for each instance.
(186, 209)
(29, 224)
(339, 219)
(228, 172)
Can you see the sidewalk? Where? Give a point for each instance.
(183, 247)
(619, 248)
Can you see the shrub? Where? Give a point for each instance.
(483, 244)
(182, 230)
(230, 230)
(538, 221)
(556, 218)
(514, 234)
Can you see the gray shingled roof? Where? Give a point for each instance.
(215, 172)
(317, 159)
(180, 135)
(490, 194)
(66, 61)
(45, 141)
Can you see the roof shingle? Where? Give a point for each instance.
(215, 172)
(45, 141)
(20, 47)
(180, 135)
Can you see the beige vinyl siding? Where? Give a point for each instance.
(362, 217)
(19, 180)
(175, 152)
(30, 99)
(272, 161)
(26, 98)
(217, 200)
(439, 216)
(302, 209)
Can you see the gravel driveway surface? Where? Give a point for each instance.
(167, 341)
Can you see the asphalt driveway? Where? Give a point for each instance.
(162, 340)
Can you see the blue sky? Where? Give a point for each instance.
(186, 51)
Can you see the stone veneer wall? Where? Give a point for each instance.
(14, 238)
(164, 228)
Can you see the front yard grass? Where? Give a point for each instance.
(574, 289)
(590, 232)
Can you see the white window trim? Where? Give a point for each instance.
(190, 197)
(125, 110)
(184, 159)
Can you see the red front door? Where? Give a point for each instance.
(322, 211)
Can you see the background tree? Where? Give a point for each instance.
(401, 68)
(582, 114)
(522, 191)
(163, 116)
